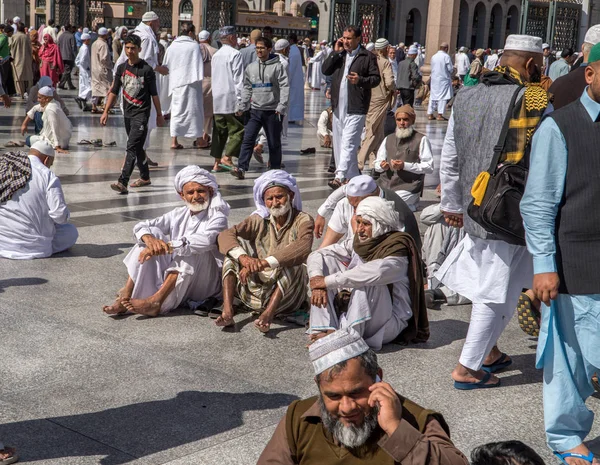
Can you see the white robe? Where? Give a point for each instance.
(462, 63)
(377, 317)
(57, 127)
(316, 75)
(441, 77)
(186, 71)
(296, 108)
(195, 257)
(33, 223)
(227, 70)
(84, 63)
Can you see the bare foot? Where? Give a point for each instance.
(263, 322)
(8, 453)
(468, 378)
(142, 306)
(115, 309)
(226, 319)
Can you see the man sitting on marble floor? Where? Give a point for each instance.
(33, 211)
(339, 207)
(381, 270)
(176, 258)
(265, 253)
(357, 418)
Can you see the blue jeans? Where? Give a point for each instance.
(271, 122)
(37, 121)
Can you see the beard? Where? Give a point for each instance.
(404, 133)
(276, 212)
(351, 437)
(196, 207)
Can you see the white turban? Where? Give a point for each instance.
(203, 35)
(16, 20)
(102, 31)
(149, 16)
(370, 46)
(271, 179)
(193, 173)
(86, 30)
(281, 44)
(85, 36)
(43, 147)
(46, 91)
(335, 348)
(380, 213)
(359, 186)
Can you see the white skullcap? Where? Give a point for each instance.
(102, 31)
(169, 36)
(323, 42)
(381, 44)
(85, 36)
(370, 46)
(559, 54)
(270, 179)
(412, 50)
(592, 36)
(193, 173)
(43, 147)
(359, 186)
(85, 30)
(524, 43)
(149, 16)
(545, 46)
(44, 81)
(337, 347)
(16, 19)
(239, 40)
(380, 213)
(401, 44)
(281, 44)
(203, 35)
(47, 91)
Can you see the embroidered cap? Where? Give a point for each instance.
(381, 44)
(335, 348)
(281, 44)
(524, 43)
(592, 36)
(359, 186)
(227, 31)
(85, 36)
(412, 50)
(43, 147)
(149, 16)
(102, 31)
(203, 35)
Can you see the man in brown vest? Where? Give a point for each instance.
(357, 418)
(404, 158)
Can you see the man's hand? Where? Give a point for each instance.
(327, 141)
(162, 70)
(145, 255)
(319, 226)
(317, 282)
(7, 101)
(384, 165)
(545, 286)
(160, 120)
(319, 298)
(338, 46)
(254, 265)
(353, 78)
(453, 219)
(156, 246)
(23, 129)
(104, 118)
(244, 273)
(397, 165)
(328, 94)
(390, 408)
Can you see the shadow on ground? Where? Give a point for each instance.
(94, 250)
(12, 282)
(127, 433)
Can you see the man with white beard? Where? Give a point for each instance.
(176, 257)
(404, 158)
(368, 423)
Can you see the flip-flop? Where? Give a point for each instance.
(528, 316)
(500, 364)
(566, 455)
(13, 456)
(177, 147)
(218, 170)
(12, 143)
(85, 142)
(110, 144)
(226, 167)
(479, 385)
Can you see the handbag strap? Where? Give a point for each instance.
(499, 147)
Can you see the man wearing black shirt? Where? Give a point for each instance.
(137, 82)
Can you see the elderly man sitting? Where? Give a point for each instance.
(404, 158)
(56, 126)
(382, 268)
(341, 203)
(176, 258)
(265, 253)
(357, 418)
(33, 212)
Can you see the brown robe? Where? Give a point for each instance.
(102, 65)
(21, 51)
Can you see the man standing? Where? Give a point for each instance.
(549, 58)
(354, 73)
(207, 52)
(136, 80)
(68, 52)
(228, 74)
(441, 83)
(562, 66)
(184, 60)
(296, 77)
(249, 51)
(382, 97)
(84, 63)
(400, 53)
(102, 65)
(6, 72)
(558, 210)
(20, 51)
(488, 271)
(266, 94)
(409, 77)
(462, 63)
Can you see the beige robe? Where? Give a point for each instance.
(20, 50)
(207, 87)
(102, 65)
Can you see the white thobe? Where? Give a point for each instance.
(227, 80)
(491, 62)
(195, 257)
(322, 130)
(316, 76)
(186, 71)
(441, 90)
(296, 79)
(57, 127)
(84, 63)
(462, 63)
(375, 314)
(33, 223)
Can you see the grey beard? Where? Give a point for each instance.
(197, 207)
(404, 133)
(351, 437)
(276, 212)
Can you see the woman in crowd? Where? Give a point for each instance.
(52, 64)
(35, 55)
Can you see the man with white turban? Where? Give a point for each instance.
(176, 258)
(265, 253)
(382, 270)
(83, 61)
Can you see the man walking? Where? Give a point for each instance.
(354, 73)
(207, 52)
(20, 51)
(102, 65)
(441, 83)
(462, 63)
(296, 113)
(408, 77)
(84, 63)
(68, 52)
(249, 51)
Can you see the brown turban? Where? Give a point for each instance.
(407, 110)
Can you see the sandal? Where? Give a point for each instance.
(120, 188)
(258, 157)
(85, 142)
(95, 112)
(110, 144)
(219, 170)
(12, 143)
(177, 147)
(335, 183)
(500, 364)
(140, 183)
(463, 386)
(565, 455)
(11, 454)
(529, 317)
(226, 167)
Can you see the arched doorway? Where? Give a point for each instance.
(478, 26)
(463, 24)
(242, 5)
(311, 10)
(413, 27)
(496, 35)
(512, 22)
(186, 10)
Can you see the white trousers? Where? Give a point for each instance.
(346, 142)
(439, 105)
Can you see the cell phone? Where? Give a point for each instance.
(377, 379)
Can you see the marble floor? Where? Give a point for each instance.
(79, 387)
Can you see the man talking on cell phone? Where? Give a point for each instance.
(354, 73)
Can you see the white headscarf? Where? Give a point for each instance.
(380, 213)
(193, 173)
(119, 31)
(271, 179)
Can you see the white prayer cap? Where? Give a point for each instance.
(270, 179)
(149, 16)
(412, 50)
(43, 147)
(86, 30)
(401, 44)
(370, 46)
(359, 186)
(380, 213)
(337, 347)
(559, 54)
(524, 43)
(16, 20)
(46, 91)
(102, 31)
(85, 36)
(323, 42)
(592, 36)
(281, 44)
(545, 46)
(239, 40)
(193, 173)
(44, 81)
(381, 44)
(169, 36)
(203, 35)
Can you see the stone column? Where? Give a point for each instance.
(469, 35)
(486, 29)
(442, 26)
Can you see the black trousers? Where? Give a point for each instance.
(271, 121)
(137, 129)
(408, 96)
(65, 78)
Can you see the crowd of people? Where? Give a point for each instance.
(514, 225)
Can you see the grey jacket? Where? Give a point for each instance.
(408, 74)
(266, 86)
(66, 45)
